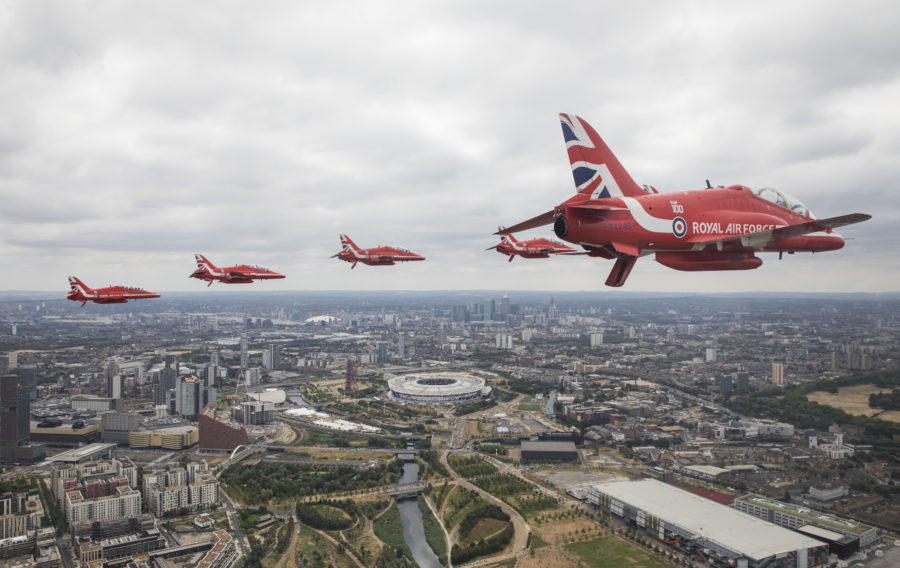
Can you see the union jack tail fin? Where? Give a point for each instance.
(76, 285)
(596, 170)
(204, 264)
(506, 236)
(348, 245)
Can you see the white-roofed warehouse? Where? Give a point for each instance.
(704, 528)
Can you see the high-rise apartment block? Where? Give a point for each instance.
(97, 491)
(778, 373)
(192, 487)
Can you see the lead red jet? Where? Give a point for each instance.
(716, 228)
(79, 292)
(240, 274)
(377, 256)
(532, 248)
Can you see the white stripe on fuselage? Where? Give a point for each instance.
(645, 220)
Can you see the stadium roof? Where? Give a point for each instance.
(736, 531)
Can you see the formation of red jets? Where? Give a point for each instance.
(611, 217)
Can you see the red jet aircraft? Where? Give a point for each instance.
(378, 256)
(717, 228)
(241, 274)
(533, 248)
(79, 292)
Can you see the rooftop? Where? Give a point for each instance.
(736, 531)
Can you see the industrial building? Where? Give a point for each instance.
(563, 450)
(795, 517)
(717, 534)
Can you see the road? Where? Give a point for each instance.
(233, 520)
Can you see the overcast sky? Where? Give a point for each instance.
(134, 134)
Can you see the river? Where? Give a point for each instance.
(413, 528)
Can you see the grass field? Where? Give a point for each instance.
(854, 400)
(433, 533)
(389, 529)
(530, 407)
(609, 552)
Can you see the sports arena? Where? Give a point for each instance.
(438, 388)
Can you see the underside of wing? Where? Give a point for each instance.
(237, 274)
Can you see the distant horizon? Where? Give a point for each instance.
(53, 294)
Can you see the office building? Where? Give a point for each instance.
(15, 421)
(28, 379)
(114, 384)
(793, 516)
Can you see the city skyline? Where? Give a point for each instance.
(132, 139)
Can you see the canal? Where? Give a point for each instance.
(413, 528)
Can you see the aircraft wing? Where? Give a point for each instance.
(761, 239)
(539, 221)
(237, 274)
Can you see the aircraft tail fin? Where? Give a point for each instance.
(596, 170)
(501, 230)
(203, 263)
(348, 244)
(76, 285)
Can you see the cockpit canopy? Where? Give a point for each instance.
(784, 200)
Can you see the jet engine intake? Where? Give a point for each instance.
(561, 226)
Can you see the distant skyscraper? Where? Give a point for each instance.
(778, 373)
(596, 339)
(167, 379)
(4, 364)
(504, 306)
(488, 309)
(187, 398)
(275, 356)
(15, 417)
(401, 345)
(214, 358)
(28, 379)
(743, 381)
(212, 375)
(244, 357)
(112, 368)
(724, 383)
(711, 355)
(114, 386)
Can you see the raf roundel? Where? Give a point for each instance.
(679, 227)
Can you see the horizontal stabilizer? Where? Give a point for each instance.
(539, 221)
